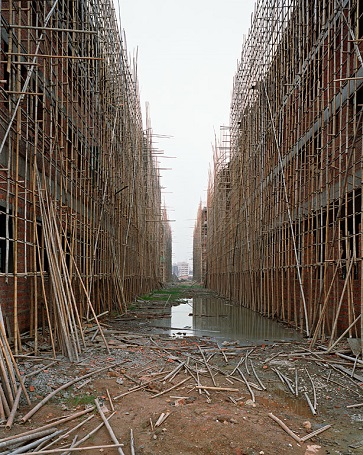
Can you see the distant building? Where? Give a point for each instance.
(183, 269)
(175, 270)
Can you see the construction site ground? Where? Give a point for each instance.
(189, 395)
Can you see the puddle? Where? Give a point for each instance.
(297, 404)
(219, 319)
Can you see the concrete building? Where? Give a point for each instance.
(183, 270)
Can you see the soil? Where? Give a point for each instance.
(197, 421)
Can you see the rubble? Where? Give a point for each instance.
(187, 375)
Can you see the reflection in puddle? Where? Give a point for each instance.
(217, 318)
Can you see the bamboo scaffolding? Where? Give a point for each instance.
(284, 204)
(79, 180)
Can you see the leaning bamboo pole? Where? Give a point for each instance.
(10, 377)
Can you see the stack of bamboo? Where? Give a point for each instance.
(67, 326)
(11, 385)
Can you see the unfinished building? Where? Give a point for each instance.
(284, 205)
(200, 245)
(82, 229)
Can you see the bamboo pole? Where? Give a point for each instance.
(91, 433)
(4, 403)
(337, 313)
(62, 387)
(171, 388)
(315, 433)
(90, 306)
(285, 427)
(4, 441)
(35, 444)
(218, 389)
(80, 449)
(35, 435)
(108, 426)
(12, 366)
(10, 420)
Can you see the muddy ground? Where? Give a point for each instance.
(214, 407)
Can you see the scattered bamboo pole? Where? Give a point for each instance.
(92, 432)
(2, 410)
(31, 445)
(47, 426)
(108, 426)
(33, 373)
(246, 360)
(347, 357)
(173, 373)
(223, 354)
(358, 405)
(171, 388)
(296, 383)
(27, 437)
(285, 427)
(80, 449)
(73, 444)
(67, 433)
(258, 379)
(312, 409)
(207, 366)
(315, 433)
(134, 389)
(236, 367)
(284, 379)
(62, 387)
(132, 442)
(10, 420)
(163, 416)
(314, 389)
(217, 389)
(248, 385)
(273, 357)
(110, 400)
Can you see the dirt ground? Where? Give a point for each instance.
(231, 417)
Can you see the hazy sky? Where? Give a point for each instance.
(187, 53)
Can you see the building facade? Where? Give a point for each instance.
(284, 208)
(183, 270)
(81, 224)
(200, 245)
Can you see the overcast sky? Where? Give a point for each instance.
(187, 53)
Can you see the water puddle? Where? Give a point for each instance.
(219, 319)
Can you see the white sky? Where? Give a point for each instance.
(187, 57)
